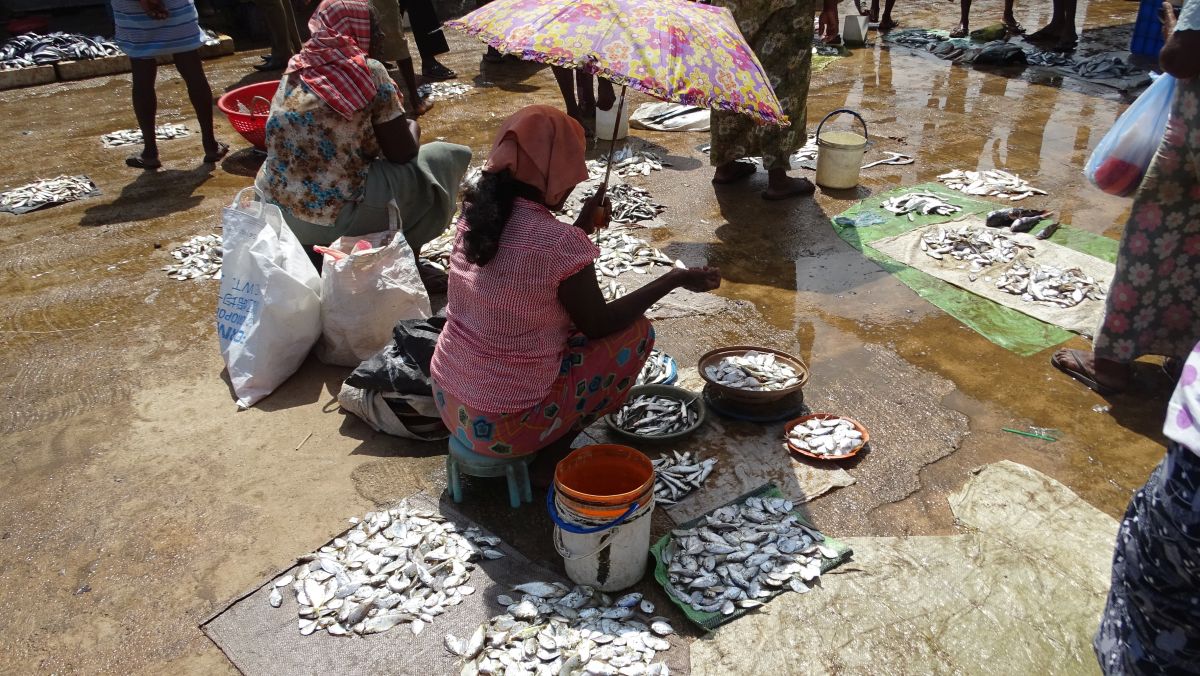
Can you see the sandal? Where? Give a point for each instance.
(1076, 369)
(437, 72)
(743, 171)
(799, 188)
(222, 151)
(139, 162)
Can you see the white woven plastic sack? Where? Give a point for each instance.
(269, 311)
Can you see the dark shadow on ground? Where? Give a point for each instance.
(243, 162)
(151, 194)
(509, 75)
(311, 383)
(1141, 408)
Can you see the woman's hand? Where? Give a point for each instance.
(697, 279)
(154, 8)
(595, 213)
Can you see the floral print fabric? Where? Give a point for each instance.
(781, 34)
(317, 160)
(1152, 305)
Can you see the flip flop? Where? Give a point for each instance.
(1079, 373)
(222, 151)
(139, 162)
(744, 171)
(803, 189)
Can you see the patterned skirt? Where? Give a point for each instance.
(594, 380)
(141, 37)
(1151, 624)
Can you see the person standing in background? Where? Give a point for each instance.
(431, 42)
(395, 48)
(285, 35)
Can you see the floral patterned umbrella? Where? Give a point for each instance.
(674, 50)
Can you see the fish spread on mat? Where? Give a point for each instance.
(831, 436)
(552, 629)
(980, 247)
(657, 369)
(438, 91)
(677, 474)
(990, 182)
(752, 370)
(199, 258)
(38, 194)
(653, 415)
(924, 203)
(743, 553)
(403, 566)
(1047, 284)
(129, 137)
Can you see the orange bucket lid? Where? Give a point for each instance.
(604, 474)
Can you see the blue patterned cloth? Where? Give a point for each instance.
(142, 37)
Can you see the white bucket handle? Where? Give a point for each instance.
(866, 136)
(566, 553)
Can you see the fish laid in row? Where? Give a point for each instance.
(32, 49)
(652, 415)
(753, 370)
(741, 554)
(1047, 284)
(990, 182)
(552, 629)
(832, 436)
(199, 258)
(677, 474)
(403, 566)
(923, 203)
(129, 137)
(57, 190)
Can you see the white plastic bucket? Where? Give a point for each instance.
(606, 118)
(604, 539)
(840, 154)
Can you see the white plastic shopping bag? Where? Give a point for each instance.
(365, 292)
(269, 312)
(1120, 161)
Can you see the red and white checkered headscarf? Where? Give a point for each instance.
(333, 63)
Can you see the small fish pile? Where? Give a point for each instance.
(743, 553)
(199, 258)
(753, 370)
(610, 288)
(622, 252)
(437, 251)
(677, 474)
(129, 137)
(31, 49)
(57, 190)
(558, 630)
(990, 182)
(1037, 283)
(397, 566)
(652, 415)
(981, 248)
(657, 369)
(630, 204)
(628, 163)
(832, 436)
(924, 203)
(438, 91)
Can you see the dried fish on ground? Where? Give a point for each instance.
(677, 474)
(628, 163)
(438, 91)
(560, 630)
(129, 137)
(980, 247)
(1036, 283)
(57, 190)
(31, 49)
(753, 370)
(741, 554)
(657, 370)
(630, 204)
(831, 436)
(621, 251)
(924, 203)
(653, 415)
(402, 566)
(199, 258)
(990, 182)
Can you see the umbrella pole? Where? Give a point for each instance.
(612, 142)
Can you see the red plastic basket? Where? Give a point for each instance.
(253, 125)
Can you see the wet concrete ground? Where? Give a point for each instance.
(136, 501)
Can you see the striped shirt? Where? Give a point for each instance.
(142, 37)
(505, 329)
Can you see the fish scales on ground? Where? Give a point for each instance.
(832, 436)
(198, 258)
(677, 475)
(980, 247)
(129, 137)
(57, 190)
(1036, 283)
(32, 49)
(439, 91)
(651, 415)
(554, 629)
(657, 369)
(402, 566)
(742, 554)
(923, 203)
(753, 370)
(990, 182)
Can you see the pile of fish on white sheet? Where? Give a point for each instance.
(753, 370)
(743, 553)
(677, 474)
(57, 190)
(399, 566)
(653, 415)
(980, 247)
(129, 137)
(438, 91)
(556, 630)
(630, 204)
(628, 163)
(199, 258)
(990, 182)
(831, 436)
(657, 369)
(920, 202)
(1047, 284)
(32, 49)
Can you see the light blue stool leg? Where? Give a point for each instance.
(452, 479)
(523, 477)
(514, 490)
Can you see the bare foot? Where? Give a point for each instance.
(422, 106)
(1102, 375)
(780, 186)
(732, 172)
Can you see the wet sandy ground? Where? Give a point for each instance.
(135, 500)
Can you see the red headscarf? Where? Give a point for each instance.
(542, 147)
(333, 63)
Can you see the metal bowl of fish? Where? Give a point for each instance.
(753, 374)
(825, 436)
(658, 413)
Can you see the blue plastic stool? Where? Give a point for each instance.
(462, 460)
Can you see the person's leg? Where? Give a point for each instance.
(886, 22)
(1067, 37)
(566, 86)
(431, 41)
(1010, 20)
(1105, 376)
(587, 97)
(291, 29)
(418, 106)
(606, 95)
(273, 14)
(200, 94)
(1050, 31)
(964, 20)
(145, 108)
(728, 132)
